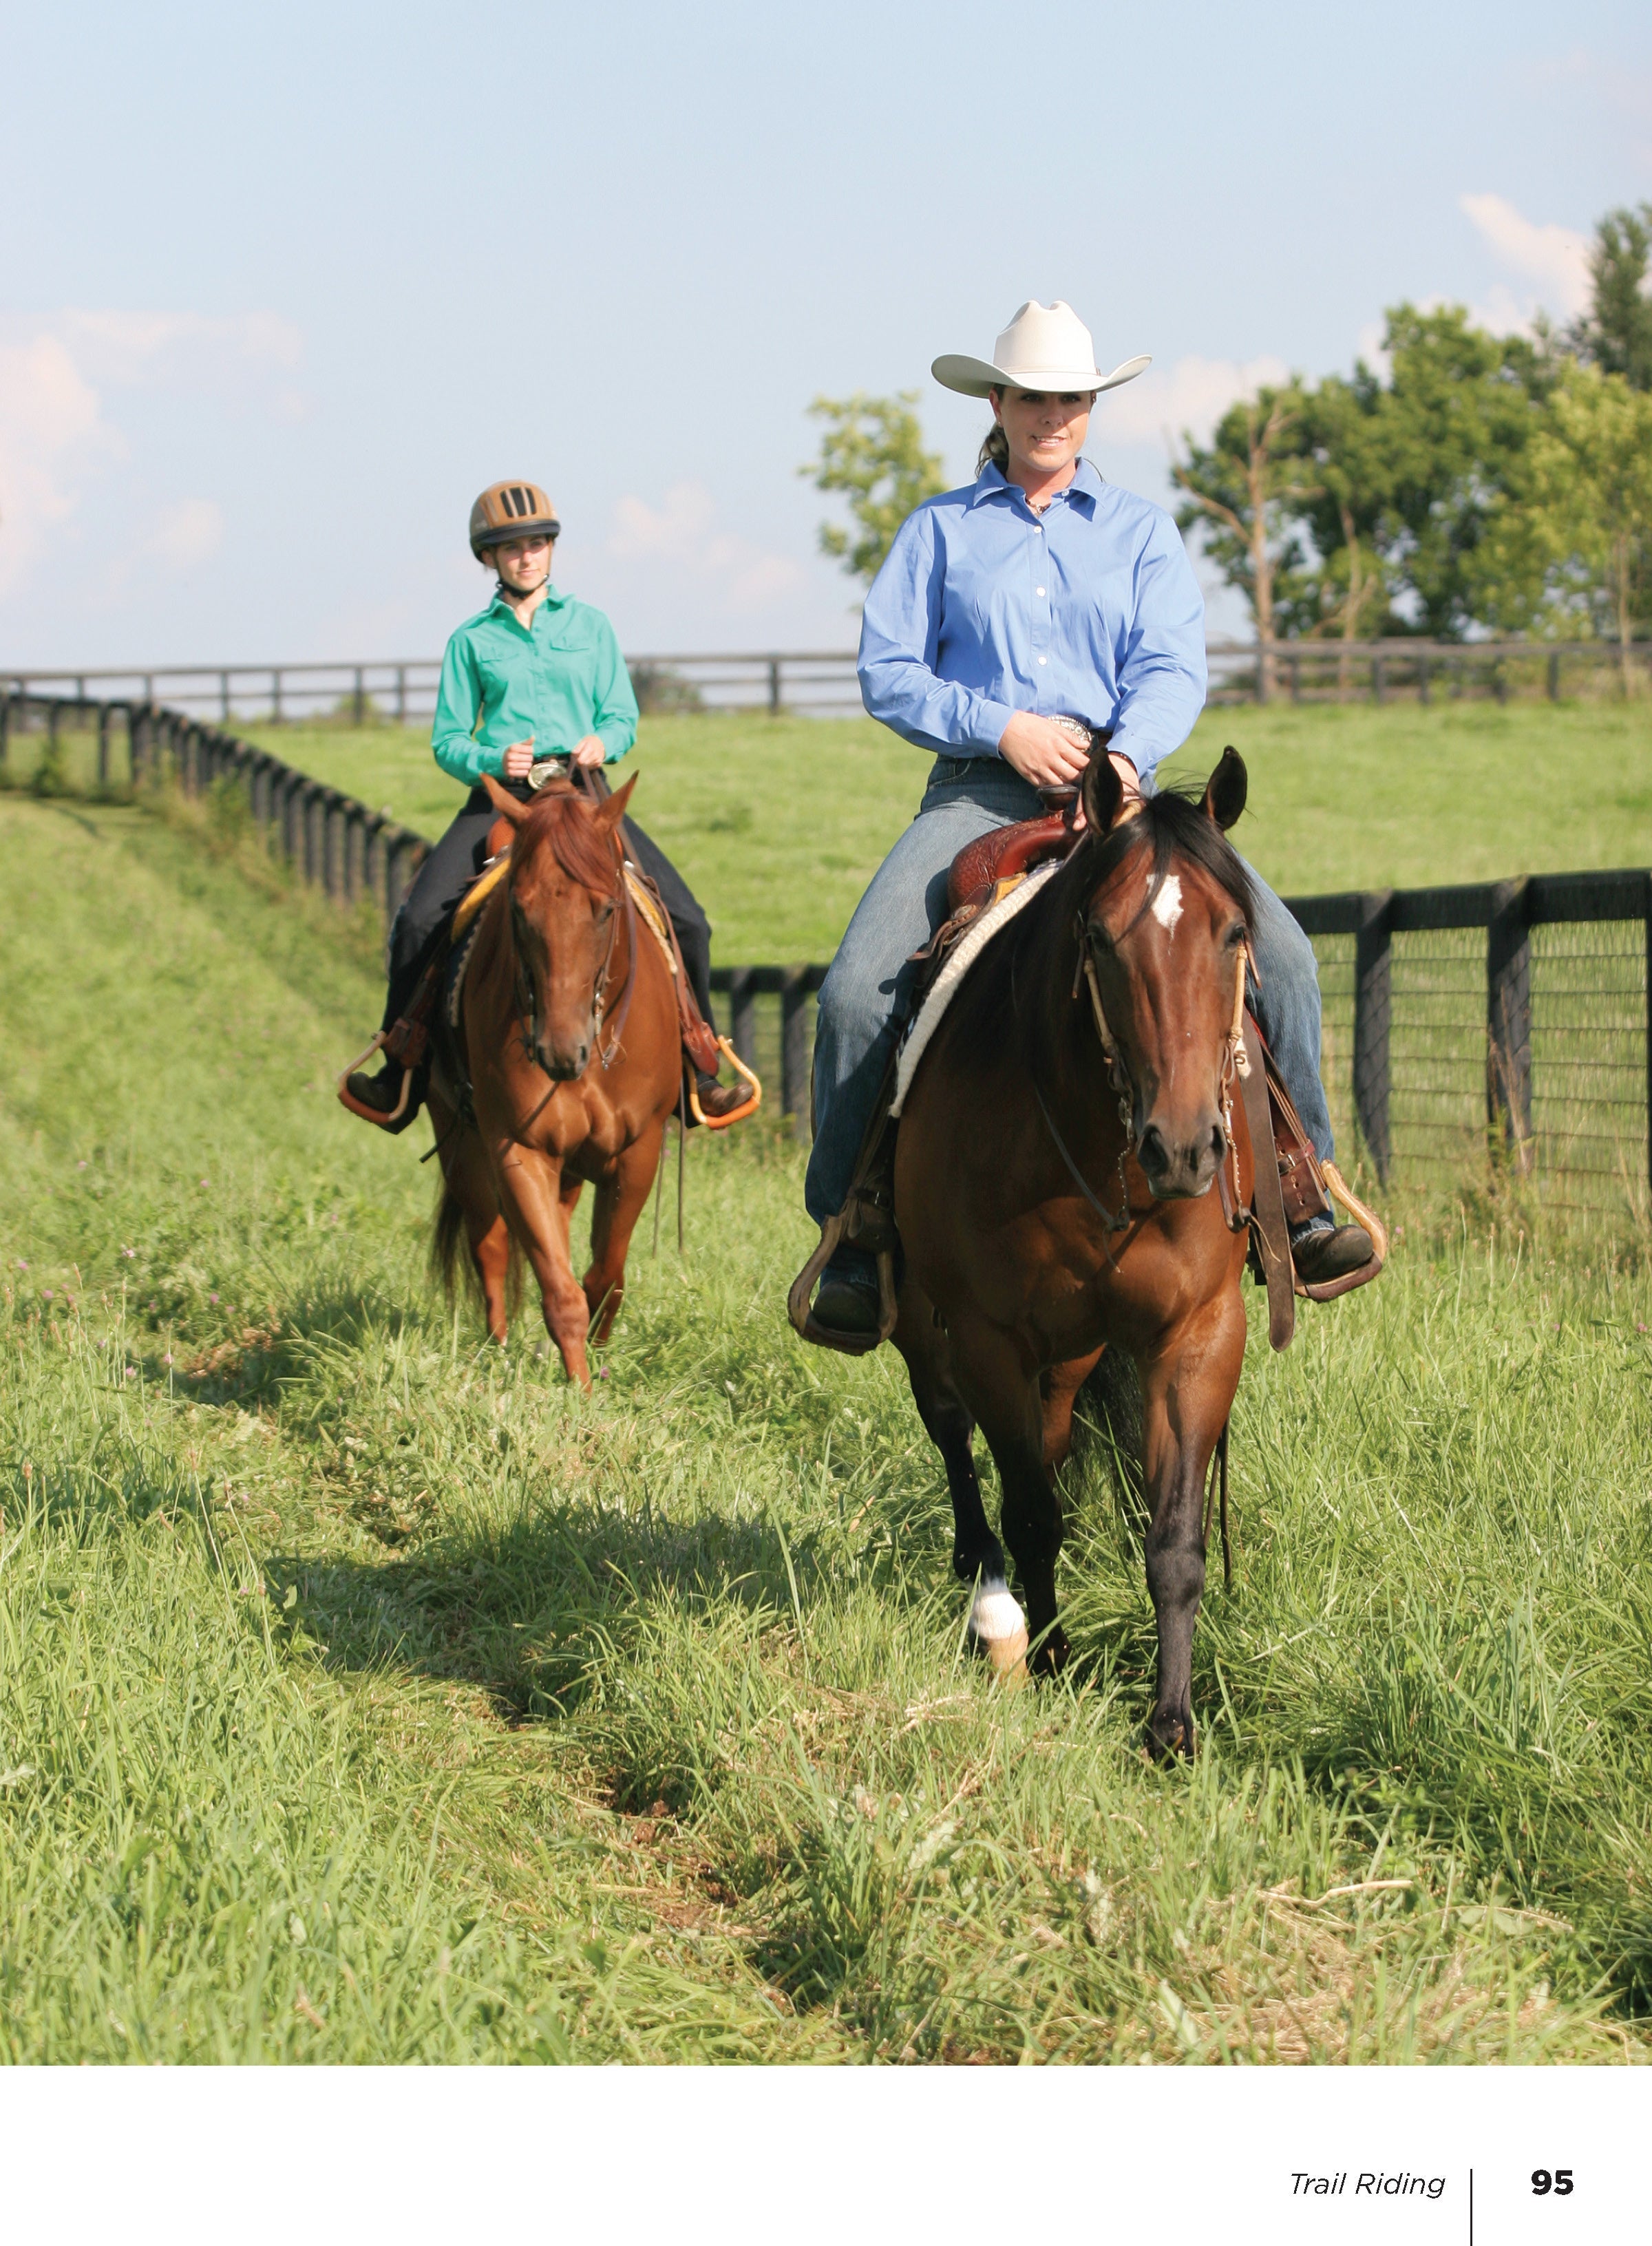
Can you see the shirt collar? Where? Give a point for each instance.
(1083, 491)
(553, 600)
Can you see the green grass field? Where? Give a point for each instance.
(779, 824)
(366, 1695)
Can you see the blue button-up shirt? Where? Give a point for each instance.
(1089, 610)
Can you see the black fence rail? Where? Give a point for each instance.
(329, 839)
(1508, 1021)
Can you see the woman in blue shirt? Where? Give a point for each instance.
(1011, 619)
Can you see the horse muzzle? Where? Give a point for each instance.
(1180, 1164)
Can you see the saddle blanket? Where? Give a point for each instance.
(968, 948)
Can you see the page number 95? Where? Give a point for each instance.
(1560, 2182)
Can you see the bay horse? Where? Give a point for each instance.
(567, 1038)
(1054, 1170)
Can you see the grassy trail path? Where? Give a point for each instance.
(365, 1695)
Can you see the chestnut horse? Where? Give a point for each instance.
(1054, 1170)
(568, 1039)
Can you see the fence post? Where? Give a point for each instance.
(742, 1017)
(401, 694)
(774, 686)
(1372, 1014)
(1379, 681)
(104, 712)
(5, 730)
(1422, 680)
(794, 1052)
(223, 698)
(1554, 674)
(275, 696)
(1508, 1016)
(360, 698)
(1295, 675)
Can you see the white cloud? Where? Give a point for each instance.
(51, 433)
(684, 531)
(1192, 395)
(58, 443)
(147, 346)
(187, 532)
(1552, 260)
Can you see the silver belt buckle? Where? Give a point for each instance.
(546, 768)
(1080, 732)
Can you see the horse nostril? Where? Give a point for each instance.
(1152, 1153)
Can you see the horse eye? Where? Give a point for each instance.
(1236, 936)
(1098, 938)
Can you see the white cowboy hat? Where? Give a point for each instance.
(1044, 347)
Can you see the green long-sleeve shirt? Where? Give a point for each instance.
(557, 680)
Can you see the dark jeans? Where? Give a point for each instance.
(460, 855)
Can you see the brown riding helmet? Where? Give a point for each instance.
(510, 510)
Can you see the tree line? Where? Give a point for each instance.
(1471, 483)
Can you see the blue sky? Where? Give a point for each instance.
(282, 287)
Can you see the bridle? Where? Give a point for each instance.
(526, 998)
(1234, 1062)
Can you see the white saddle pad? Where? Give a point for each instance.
(968, 948)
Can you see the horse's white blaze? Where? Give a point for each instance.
(999, 1628)
(1167, 903)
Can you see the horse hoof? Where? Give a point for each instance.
(999, 1630)
(1051, 1657)
(1170, 1738)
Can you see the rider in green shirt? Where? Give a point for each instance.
(537, 676)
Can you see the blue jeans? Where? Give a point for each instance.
(864, 1000)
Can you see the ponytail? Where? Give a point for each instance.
(995, 446)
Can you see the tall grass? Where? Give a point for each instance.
(366, 1694)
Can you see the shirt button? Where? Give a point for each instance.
(1039, 590)
(1043, 659)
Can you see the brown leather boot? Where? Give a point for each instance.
(389, 1099)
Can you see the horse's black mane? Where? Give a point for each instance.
(996, 996)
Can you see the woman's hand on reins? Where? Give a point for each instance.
(590, 750)
(1041, 751)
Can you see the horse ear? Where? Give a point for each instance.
(614, 810)
(1225, 790)
(503, 801)
(1102, 792)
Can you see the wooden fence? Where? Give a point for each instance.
(1381, 671)
(1516, 1014)
(825, 685)
(330, 841)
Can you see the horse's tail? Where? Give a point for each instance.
(452, 1264)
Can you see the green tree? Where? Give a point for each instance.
(873, 452)
(1458, 411)
(1615, 333)
(1246, 487)
(1573, 547)
(1348, 590)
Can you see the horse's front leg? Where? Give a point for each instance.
(997, 1627)
(1007, 1403)
(1188, 1384)
(621, 1200)
(529, 1191)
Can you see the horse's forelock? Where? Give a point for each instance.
(1176, 825)
(565, 822)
